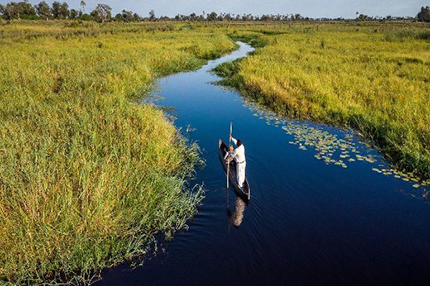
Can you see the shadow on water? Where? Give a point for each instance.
(326, 209)
(236, 216)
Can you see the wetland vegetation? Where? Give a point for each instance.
(88, 176)
(372, 77)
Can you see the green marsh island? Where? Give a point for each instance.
(90, 175)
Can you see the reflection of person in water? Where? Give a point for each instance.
(237, 216)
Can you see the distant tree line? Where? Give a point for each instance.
(103, 13)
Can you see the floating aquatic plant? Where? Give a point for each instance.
(333, 149)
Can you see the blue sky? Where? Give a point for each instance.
(310, 8)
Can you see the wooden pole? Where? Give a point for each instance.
(228, 159)
(228, 171)
(228, 178)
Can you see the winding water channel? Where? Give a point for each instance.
(321, 212)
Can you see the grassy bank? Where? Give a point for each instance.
(371, 77)
(88, 176)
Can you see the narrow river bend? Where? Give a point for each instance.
(321, 210)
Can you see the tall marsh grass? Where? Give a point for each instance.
(347, 75)
(87, 175)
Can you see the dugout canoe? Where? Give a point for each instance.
(245, 191)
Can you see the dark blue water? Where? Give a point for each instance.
(309, 222)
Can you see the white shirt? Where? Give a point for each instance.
(239, 152)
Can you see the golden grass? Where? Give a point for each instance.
(374, 78)
(87, 176)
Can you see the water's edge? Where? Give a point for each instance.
(320, 208)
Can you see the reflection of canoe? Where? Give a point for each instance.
(244, 192)
(236, 217)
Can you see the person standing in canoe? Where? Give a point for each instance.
(239, 156)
